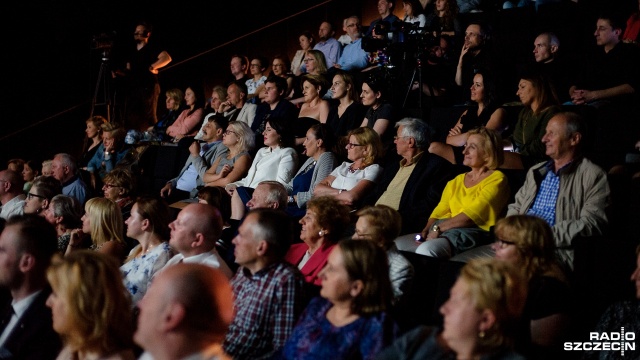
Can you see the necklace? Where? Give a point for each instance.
(353, 169)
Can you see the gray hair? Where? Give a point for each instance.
(67, 160)
(417, 129)
(553, 38)
(277, 193)
(68, 208)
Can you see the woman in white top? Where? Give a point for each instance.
(306, 43)
(413, 14)
(276, 161)
(255, 85)
(351, 181)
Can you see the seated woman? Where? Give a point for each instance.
(487, 114)
(92, 140)
(527, 243)
(111, 152)
(232, 166)
(351, 181)
(381, 225)
(103, 222)
(30, 171)
(349, 320)
(316, 64)
(540, 104)
(174, 102)
(444, 20)
(470, 205)
(149, 225)
(480, 318)
(117, 187)
(39, 197)
(280, 67)
(345, 112)
(320, 163)
(189, 121)
(413, 15)
(276, 161)
(314, 109)
(90, 307)
(322, 227)
(306, 42)
(65, 213)
(255, 85)
(380, 114)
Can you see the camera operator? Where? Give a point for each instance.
(142, 64)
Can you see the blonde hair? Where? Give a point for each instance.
(371, 141)
(491, 145)
(106, 221)
(99, 306)
(384, 224)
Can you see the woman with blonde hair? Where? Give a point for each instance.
(92, 139)
(234, 165)
(103, 222)
(90, 307)
(351, 181)
(480, 318)
(470, 205)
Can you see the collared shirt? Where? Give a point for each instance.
(544, 206)
(187, 181)
(353, 57)
(331, 49)
(267, 306)
(209, 258)
(392, 196)
(19, 308)
(14, 206)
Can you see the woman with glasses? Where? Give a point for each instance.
(117, 187)
(527, 243)
(280, 67)
(354, 179)
(255, 85)
(39, 196)
(232, 166)
(64, 213)
(315, 64)
(470, 205)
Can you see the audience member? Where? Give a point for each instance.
(199, 161)
(92, 140)
(109, 154)
(475, 55)
(193, 236)
(412, 185)
(234, 164)
(322, 226)
(255, 84)
(102, 220)
(27, 244)
(217, 197)
(540, 104)
(353, 57)
(273, 106)
(480, 318)
(280, 67)
(174, 105)
(486, 112)
(346, 111)
(329, 46)
(63, 168)
(39, 197)
(239, 66)
(269, 293)
(211, 107)
(546, 52)
(149, 226)
(353, 180)
(413, 14)
(90, 307)
(631, 33)
(119, 187)
(185, 314)
(46, 168)
(188, 122)
(65, 213)
(143, 62)
(380, 116)
(320, 162)
(314, 109)
(16, 165)
(444, 20)
(385, 9)
(344, 39)
(349, 319)
(11, 195)
(470, 205)
(381, 225)
(568, 179)
(306, 42)
(30, 172)
(236, 107)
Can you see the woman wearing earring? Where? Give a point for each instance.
(347, 112)
(351, 181)
(322, 226)
(239, 139)
(39, 196)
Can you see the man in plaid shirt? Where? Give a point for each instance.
(269, 293)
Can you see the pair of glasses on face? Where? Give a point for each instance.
(32, 195)
(229, 132)
(309, 59)
(352, 145)
(109, 186)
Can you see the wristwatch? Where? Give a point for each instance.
(435, 228)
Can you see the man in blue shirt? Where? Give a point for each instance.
(329, 46)
(385, 9)
(353, 57)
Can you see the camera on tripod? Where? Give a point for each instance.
(103, 41)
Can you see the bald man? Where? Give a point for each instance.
(193, 236)
(11, 194)
(185, 314)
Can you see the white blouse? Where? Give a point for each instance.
(345, 179)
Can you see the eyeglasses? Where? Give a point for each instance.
(108, 186)
(229, 132)
(352, 145)
(503, 243)
(32, 195)
(309, 59)
(400, 137)
(352, 25)
(255, 65)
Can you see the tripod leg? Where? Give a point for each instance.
(406, 96)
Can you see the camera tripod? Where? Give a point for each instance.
(103, 83)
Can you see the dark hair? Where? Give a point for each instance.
(546, 94)
(198, 91)
(348, 80)
(274, 227)
(243, 59)
(285, 60)
(34, 165)
(216, 196)
(490, 87)
(309, 36)
(378, 82)
(279, 82)
(158, 214)
(264, 63)
(47, 186)
(317, 81)
(615, 19)
(325, 133)
(331, 215)
(241, 86)
(36, 237)
(283, 128)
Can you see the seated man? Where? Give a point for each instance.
(329, 46)
(385, 9)
(269, 292)
(185, 314)
(475, 54)
(11, 194)
(194, 234)
(353, 57)
(569, 192)
(64, 169)
(413, 185)
(186, 184)
(546, 50)
(236, 107)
